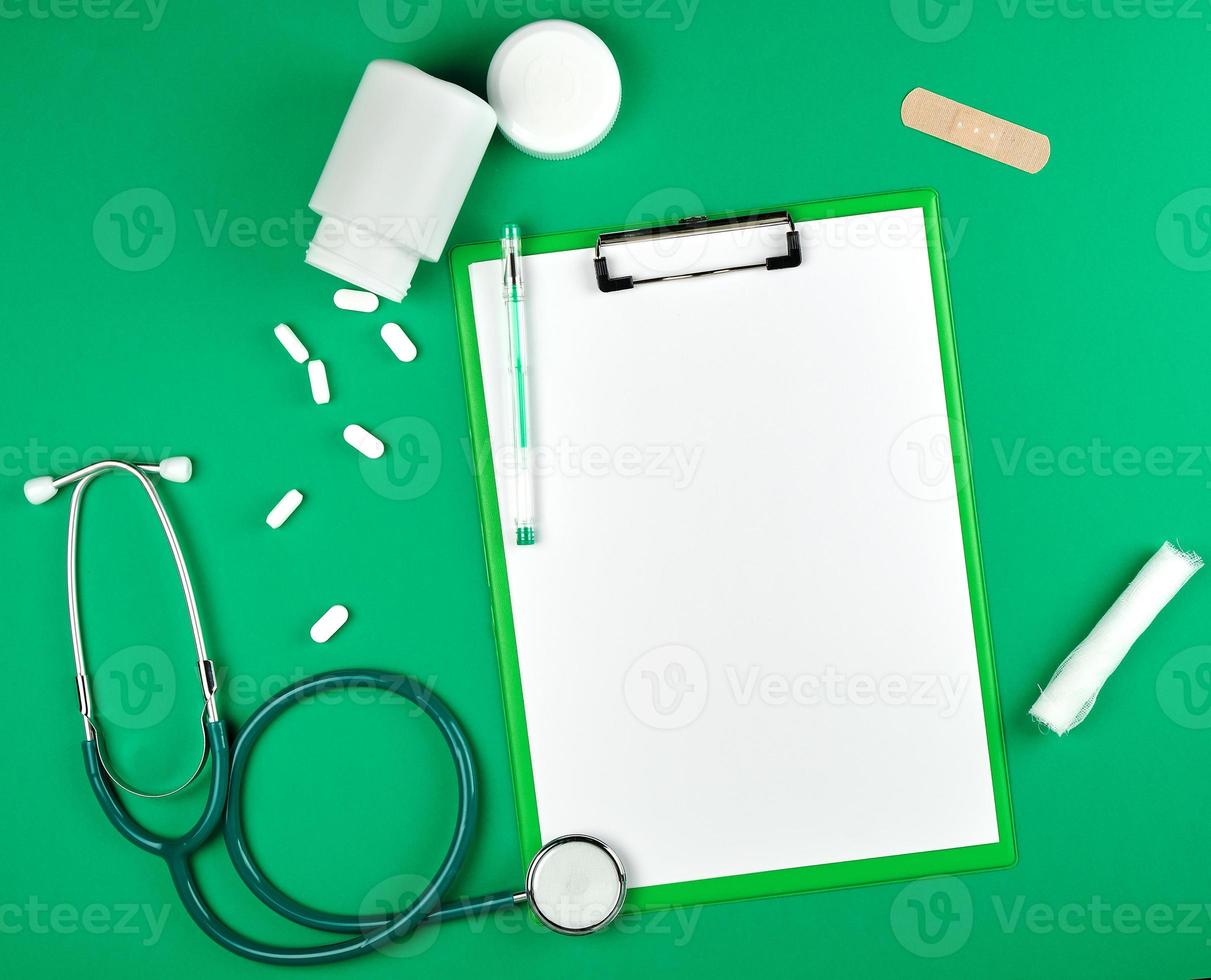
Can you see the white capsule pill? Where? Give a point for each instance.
(284, 508)
(319, 382)
(327, 625)
(366, 443)
(355, 299)
(289, 339)
(400, 343)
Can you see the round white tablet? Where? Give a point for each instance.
(576, 885)
(555, 88)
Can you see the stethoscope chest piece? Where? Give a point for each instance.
(576, 885)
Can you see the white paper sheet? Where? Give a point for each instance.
(745, 635)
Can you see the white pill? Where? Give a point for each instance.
(319, 382)
(399, 342)
(284, 508)
(355, 299)
(289, 339)
(327, 625)
(366, 443)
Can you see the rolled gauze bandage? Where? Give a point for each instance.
(1074, 686)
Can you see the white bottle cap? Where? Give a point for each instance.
(555, 88)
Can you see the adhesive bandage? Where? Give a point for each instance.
(319, 382)
(366, 443)
(997, 139)
(400, 343)
(1073, 689)
(283, 509)
(289, 339)
(326, 626)
(355, 299)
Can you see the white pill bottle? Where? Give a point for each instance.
(396, 177)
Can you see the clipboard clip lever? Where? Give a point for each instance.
(699, 225)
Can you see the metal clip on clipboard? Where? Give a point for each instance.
(687, 227)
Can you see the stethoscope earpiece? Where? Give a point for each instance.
(175, 469)
(40, 489)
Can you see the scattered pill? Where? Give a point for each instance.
(400, 343)
(366, 443)
(289, 339)
(327, 625)
(283, 509)
(356, 299)
(319, 382)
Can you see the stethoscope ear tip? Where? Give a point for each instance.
(177, 469)
(40, 489)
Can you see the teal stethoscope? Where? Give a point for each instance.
(575, 884)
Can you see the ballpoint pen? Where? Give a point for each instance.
(514, 290)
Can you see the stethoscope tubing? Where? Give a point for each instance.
(224, 803)
(228, 770)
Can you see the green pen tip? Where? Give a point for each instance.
(525, 535)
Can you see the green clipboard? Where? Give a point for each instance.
(981, 857)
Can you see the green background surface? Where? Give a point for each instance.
(1080, 300)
